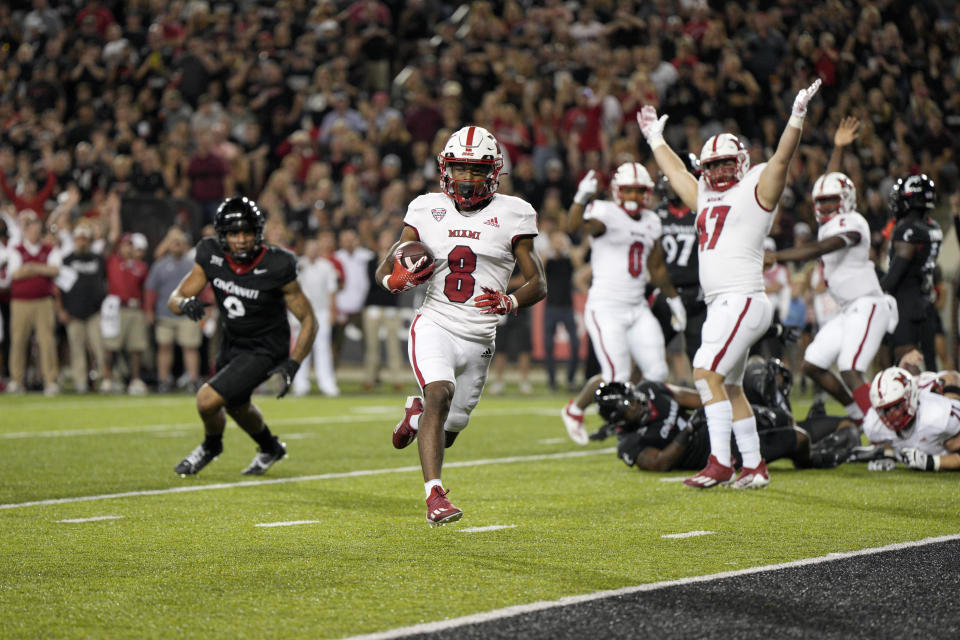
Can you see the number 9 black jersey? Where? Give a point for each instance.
(253, 313)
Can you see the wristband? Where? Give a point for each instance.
(513, 298)
(933, 463)
(383, 283)
(794, 121)
(654, 143)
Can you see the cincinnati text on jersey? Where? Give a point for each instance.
(235, 289)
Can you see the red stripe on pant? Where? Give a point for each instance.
(613, 370)
(723, 351)
(865, 334)
(413, 351)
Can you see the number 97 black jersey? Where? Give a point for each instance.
(253, 313)
(679, 242)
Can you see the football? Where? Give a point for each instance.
(410, 252)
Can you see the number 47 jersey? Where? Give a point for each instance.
(472, 250)
(731, 227)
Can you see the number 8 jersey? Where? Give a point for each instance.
(618, 257)
(472, 250)
(731, 227)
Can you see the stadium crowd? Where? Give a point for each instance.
(331, 115)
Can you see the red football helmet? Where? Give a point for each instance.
(895, 397)
(631, 174)
(833, 193)
(473, 146)
(718, 174)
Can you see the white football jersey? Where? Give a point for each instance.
(731, 226)
(472, 250)
(937, 420)
(619, 256)
(849, 272)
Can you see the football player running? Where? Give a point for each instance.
(254, 285)
(922, 426)
(736, 206)
(914, 247)
(477, 236)
(853, 336)
(625, 254)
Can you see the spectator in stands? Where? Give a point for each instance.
(209, 175)
(172, 265)
(354, 259)
(123, 321)
(319, 280)
(381, 314)
(78, 307)
(560, 260)
(32, 264)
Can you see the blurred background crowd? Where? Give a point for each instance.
(124, 124)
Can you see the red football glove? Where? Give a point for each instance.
(402, 278)
(496, 302)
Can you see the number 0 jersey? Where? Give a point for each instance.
(731, 227)
(253, 313)
(472, 250)
(619, 256)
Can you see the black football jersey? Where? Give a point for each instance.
(679, 241)
(664, 422)
(253, 313)
(926, 234)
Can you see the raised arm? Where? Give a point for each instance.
(847, 131)
(681, 181)
(774, 175)
(585, 192)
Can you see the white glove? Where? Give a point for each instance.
(679, 318)
(586, 189)
(651, 127)
(801, 101)
(916, 459)
(883, 464)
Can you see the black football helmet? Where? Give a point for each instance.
(239, 214)
(692, 163)
(618, 402)
(913, 193)
(763, 380)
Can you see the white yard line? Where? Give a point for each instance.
(688, 534)
(492, 527)
(321, 476)
(93, 519)
(498, 614)
(286, 524)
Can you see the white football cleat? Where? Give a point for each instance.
(574, 425)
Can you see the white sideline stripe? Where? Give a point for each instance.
(492, 527)
(672, 479)
(320, 476)
(553, 440)
(286, 524)
(507, 612)
(93, 519)
(688, 534)
(64, 433)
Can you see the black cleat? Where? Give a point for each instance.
(264, 460)
(197, 460)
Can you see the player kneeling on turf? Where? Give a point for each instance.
(466, 241)
(254, 285)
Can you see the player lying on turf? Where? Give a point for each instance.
(915, 416)
(254, 285)
(476, 236)
(661, 427)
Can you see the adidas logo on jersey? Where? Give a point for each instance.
(487, 353)
(492, 222)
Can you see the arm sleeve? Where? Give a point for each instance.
(898, 267)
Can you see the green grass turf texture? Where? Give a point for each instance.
(193, 565)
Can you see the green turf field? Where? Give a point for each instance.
(194, 564)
